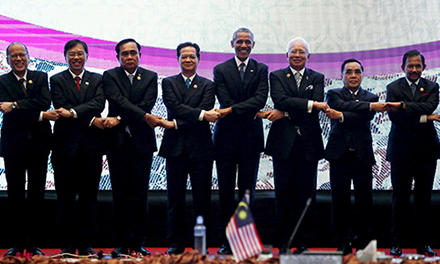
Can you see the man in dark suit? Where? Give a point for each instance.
(77, 151)
(187, 143)
(241, 89)
(294, 139)
(131, 92)
(25, 146)
(350, 152)
(412, 149)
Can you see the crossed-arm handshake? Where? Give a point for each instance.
(276, 114)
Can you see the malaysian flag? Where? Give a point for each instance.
(242, 233)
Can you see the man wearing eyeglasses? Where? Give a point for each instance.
(25, 145)
(78, 97)
(131, 92)
(294, 140)
(350, 152)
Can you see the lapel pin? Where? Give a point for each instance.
(421, 89)
(357, 100)
(195, 86)
(30, 81)
(307, 77)
(139, 77)
(252, 70)
(288, 75)
(87, 83)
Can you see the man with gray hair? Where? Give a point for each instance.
(241, 88)
(294, 139)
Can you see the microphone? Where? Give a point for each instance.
(309, 201)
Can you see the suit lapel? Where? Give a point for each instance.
(421, 87)
(71, 86)
(125, 82)
(304, 82)
(291, 81)
(14, 89)
(84, 87)
(407, 90)
(192, 90)
(248, 74)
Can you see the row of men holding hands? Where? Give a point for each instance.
(241, 86)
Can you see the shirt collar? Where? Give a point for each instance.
(409, 82)
(24, 76)
(191, 78)
(79, 75)
(238, 61)
(300, 71)
(355, 92)
(134, 73)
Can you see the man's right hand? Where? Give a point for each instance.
(152, 120)
(51, 115)
(211, 115)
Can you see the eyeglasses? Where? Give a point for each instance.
(300, 52)
(15, 56)
(74, 54)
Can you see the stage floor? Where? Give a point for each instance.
(212, 251)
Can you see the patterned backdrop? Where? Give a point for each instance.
(375, 32)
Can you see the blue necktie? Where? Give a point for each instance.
(413, 88)
(188, 82)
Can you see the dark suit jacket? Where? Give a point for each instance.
(185, 105)
(131, 102)
(88, 103)
(22, 125)
(286, 97)
(409, 137)
(246, 98)
(355, 131)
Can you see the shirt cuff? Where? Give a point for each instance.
(41, 116)
(175, 124)
(202, 114)
(309, 106)
(91, 122)
(423, 118)
(341, 120)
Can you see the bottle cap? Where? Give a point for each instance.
(200, 220)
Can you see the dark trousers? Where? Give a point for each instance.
(200, 172)
(25, 232)
(130, 176)
(78, 174)
(402, 174)
(295, 182)
(228, 165)
(342, 172)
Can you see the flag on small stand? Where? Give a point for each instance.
(242, 233)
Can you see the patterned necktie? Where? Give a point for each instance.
(77, 79)
(188, 83)
(21, 82)
(130, 76)
(413, 88)
(298, 78)
(241, 70)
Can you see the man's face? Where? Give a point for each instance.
(188, 60)
(18, 59)
(298, 56)
(76, 57)
(352, 76)
(413, 68)
(243, 45)
(129, 56)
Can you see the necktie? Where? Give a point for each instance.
(21, 81)
(77, 79)
(241, 70)
(413, 88)
(298, 78)
(188, 83)
(130, 76)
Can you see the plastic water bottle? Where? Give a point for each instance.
(200, 236)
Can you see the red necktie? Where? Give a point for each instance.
(77, 79)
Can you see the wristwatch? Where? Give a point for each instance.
(14, 105)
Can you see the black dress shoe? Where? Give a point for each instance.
(284, 251)
(396, 251)
(35, 251)
(119, 252)
(427, 251)
(175, 250)
(300, 250)
(86, 251)
(141, 250)
(345, 249)
(68, 250)
(13, 252)
(224, 250)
